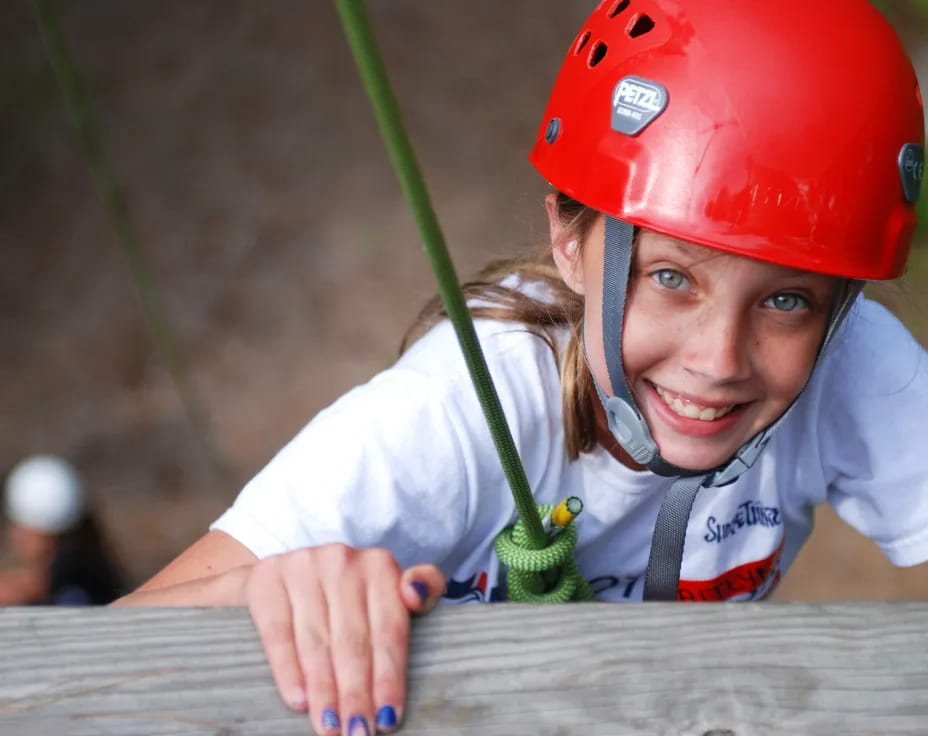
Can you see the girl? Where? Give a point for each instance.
(691, 356)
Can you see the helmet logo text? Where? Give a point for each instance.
(635, 103)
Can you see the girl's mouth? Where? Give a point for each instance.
(690, 409)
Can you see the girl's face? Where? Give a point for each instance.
(715, 346)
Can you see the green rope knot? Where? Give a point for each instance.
(546, 575)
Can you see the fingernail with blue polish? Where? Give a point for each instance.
(422, 589)
(357, 726)
(386, 717)
(330, 720)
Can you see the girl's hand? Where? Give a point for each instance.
(334, 623)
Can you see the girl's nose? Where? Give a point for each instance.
(717, 346)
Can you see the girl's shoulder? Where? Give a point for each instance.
(871, 389)
(521, 361)
(875, 352)
(511, 348)
(498, 339)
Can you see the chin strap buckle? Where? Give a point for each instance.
(745, 458)
(630, 430)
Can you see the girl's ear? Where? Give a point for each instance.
(565, 248)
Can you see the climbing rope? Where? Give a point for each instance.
(529, 534)
(546, 575)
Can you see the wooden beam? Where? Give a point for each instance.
(700, 670)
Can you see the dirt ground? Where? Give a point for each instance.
(274, 232)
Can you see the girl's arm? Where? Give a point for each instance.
(211, 572)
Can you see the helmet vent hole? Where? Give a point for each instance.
(643, 24)
(581, 42)
(618, 7)
(598, 53)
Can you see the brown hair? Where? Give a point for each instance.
(564, 309)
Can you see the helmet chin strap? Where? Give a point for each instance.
(627, 423)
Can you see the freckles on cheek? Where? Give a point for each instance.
(787, 369)
(647, 336)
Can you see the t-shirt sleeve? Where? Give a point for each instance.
(379, 467)
(872, 431)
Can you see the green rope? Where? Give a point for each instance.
(531, 534)
(168, 346)
(526, 579)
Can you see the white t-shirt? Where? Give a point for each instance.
(406, 462)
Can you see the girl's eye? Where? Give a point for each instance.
(787, 302)
(669, 279)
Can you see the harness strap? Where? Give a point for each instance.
(666, 557)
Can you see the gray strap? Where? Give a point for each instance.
(663, 574)
(622, 412)
(617, 258)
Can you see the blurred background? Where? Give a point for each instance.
(274, 236)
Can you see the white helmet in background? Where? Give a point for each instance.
(44, 492)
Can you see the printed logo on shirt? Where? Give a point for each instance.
(614, 587)
(749, 582)
(748, 514)
(472, 589)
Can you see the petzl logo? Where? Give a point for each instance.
(635, 103)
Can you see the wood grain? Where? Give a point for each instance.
(697, 670)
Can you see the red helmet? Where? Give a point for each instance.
(788, 131)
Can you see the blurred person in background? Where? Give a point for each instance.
(54, 550)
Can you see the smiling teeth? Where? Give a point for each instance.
(690, 410)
